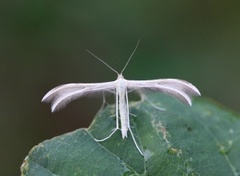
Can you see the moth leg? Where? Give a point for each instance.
(129, 128)
(117, 123)
(101, 140)
(135, 142)
(134, 115)
(117, 110)
(104, 103)
(143, 97)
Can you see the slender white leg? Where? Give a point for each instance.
(117, 122)
(129, 128)
(152, 104)
(101, 140)
(134, 140)
(127, 108)
(132, 114)
(103, 102)
(117, 111)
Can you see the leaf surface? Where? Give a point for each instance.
(200, 140)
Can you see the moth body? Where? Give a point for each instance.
(122, 104)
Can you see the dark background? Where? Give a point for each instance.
(43, 43)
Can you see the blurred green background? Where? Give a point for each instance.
(43, 43)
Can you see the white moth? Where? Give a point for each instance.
(63, 94)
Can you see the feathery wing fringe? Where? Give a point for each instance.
(180, 89)
(62, 95)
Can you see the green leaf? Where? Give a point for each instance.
(200, 140)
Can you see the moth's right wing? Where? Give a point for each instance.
(62, 95)
(180, 89)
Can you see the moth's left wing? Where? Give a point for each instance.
(60, 96)
(180, 89)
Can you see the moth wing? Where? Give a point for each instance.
(61, 95)
(180, 89)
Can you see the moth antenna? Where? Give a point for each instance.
(130, 56)
(102, 61)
